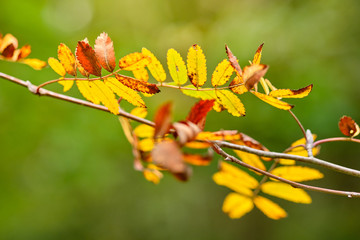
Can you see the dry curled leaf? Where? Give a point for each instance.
(348, 127)
(233, 60)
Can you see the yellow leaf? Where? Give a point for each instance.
(222, 73)
(231, 102)
(133, 61)
(197, 145)
(67, 59)
(273, 101)
(285, 191)
(203, 93)
(144, 131)
(251, 159)
(155, 67)
(126, 126)
(141, 74)
(146, 144)
(287, 93)
(56, 66)
(34, 63)
(297, 173)
(176, 67)
(126, 93)
(139, 112)
(196, 64)
(105, 95)
(225, 135)
(269, 208)
(67, 84)
(152, 175)
(218, 107)
(87, 91)
(240, 89)
(242, 178)
(236, 205)
(229, 181)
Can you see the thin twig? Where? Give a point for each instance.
(310, 160)
(298, 122)
(336, 139)
(231, 158)
(43, 92)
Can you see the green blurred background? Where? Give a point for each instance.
(66, 170)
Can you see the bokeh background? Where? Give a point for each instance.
(66, 170)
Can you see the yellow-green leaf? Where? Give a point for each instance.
(56, 66)
(208, 94)
(222, 73)
(231, 102)
(285, 191)
(269, 208)
(273, 101)
(155, 67)
(288, 93)
(297, 173)
(176, 67)
(67, 59)
(196, 65)
(236, 205)
(126, 93)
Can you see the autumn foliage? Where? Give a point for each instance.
(166, 145)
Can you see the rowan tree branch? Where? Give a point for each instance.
(44, 92)
(231, 158)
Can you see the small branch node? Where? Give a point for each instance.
(309, 142)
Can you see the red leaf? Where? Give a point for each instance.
(9, 51)
(87, 58)
(348, 126)
(233, 61)
(162, 120)
(104, 50)
(199, 111)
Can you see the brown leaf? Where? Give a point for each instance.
(138, 85)
(199, 111)
(104, 51)
(167, 154)
(253, 74)
(9, 51)
(186, 131)
(233, 61)
(162, 120)
(348, 127)
(87, 58)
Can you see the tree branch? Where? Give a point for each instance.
(231, 158)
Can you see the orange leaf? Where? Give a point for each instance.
(257, 56)
(167, 154)
(162, 120)
(81, 69)
(288, 93)
(348, 127)
(134, 61)
(252, 74)
(233, 60)
(197, 159)
(67, 59)
(24, 51)
(138, 85)
(104, 51)
(273, 101)
(240, 89)
(199, 111)
(87, 58)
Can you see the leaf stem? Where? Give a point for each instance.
(299, 123)
(336, 139)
